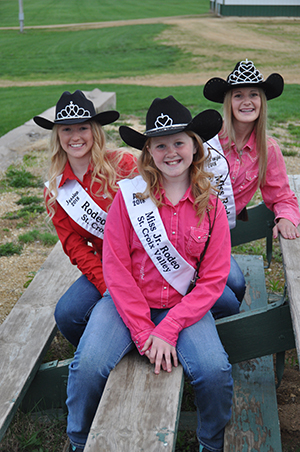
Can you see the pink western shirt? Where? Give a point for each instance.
(136, 285)
(276, 192)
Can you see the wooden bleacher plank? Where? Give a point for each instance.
(145, 409)
(254, 426)
(28, 330)
(131, 385)
(291, 262)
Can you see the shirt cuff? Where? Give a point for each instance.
(140, 339)
(168, 330)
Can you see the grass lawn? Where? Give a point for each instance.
(131, 100)
(47, 12)
(74, 55)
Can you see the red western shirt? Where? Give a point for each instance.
(83, 248)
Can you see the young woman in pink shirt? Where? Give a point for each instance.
(255, 159)
(160, 226)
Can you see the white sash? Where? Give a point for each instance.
(81, 207)
(218, 166)
(148, 225)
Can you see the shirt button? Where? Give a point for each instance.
(86, 188)
(174, 213)
(173, 232)
(164, 305)
(165, 288)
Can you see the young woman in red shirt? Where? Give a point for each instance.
(83, 178)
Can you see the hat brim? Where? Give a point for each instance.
(103, 118)
(206, 124)
(216, 88)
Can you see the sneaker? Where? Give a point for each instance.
(203, 449)
(74, 449)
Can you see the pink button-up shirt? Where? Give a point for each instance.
(136, 285)
(276, 192)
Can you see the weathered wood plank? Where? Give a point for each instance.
(291, 262)
(28, 330)
(151, 403)
(254, 425)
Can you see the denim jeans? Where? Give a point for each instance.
(230, 300)
(74, 307)
(106, 340)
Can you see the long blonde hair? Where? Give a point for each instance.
(199, 179)
(105, 166)
(260, 132)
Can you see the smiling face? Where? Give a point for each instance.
(245, 104)
(77, 141)
(173, 156)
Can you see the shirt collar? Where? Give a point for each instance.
(250, 145)
(188, 195)
(68, 173)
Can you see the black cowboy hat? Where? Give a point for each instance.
(167, 117)
(244, 74)
(74, 109)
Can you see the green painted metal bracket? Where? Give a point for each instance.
(48, 389)
(257, 333)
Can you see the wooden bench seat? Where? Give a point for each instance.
(124, 420)
(28, 330)
(140, 410)
(291, 259)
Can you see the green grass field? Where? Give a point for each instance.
(73, 57)
(131, 100)
(88, 54)
(48, 12)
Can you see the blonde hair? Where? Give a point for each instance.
(105, 165)
(199, 179)
(260, 132)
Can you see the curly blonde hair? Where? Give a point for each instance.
(260, 132)
(200, 184)
(105, 166)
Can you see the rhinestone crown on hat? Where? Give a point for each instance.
(245, 73)
(73, 111)
(164, 122)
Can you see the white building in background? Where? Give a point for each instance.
(255, 7)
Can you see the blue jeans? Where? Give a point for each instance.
(74, 308)
(230, 300)
(106, 340)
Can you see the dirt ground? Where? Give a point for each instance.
(206, 38)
